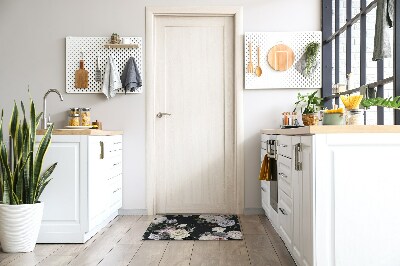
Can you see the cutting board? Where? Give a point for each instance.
(81, 77)
(280, 57)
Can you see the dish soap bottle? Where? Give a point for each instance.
(350, 82)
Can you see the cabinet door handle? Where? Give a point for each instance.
(283, 211)
(297, 164)
(282, 145)
(101, 150)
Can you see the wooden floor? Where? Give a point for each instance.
(120, 244)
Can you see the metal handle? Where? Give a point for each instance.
(282, 175)
(283, 211)
(159, 115)
(297, 164)
(101, 150)
(282, 145)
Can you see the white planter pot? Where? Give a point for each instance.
(19, 226)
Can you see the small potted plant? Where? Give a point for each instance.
(22, 181)
(309, 104)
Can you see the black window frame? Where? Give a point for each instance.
(328, 37)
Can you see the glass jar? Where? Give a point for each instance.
(73, 120)
(85, 117)
(355, 117)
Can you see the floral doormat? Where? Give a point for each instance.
(194, 227)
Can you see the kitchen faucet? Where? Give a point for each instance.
(44, 120)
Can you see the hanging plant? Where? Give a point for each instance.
(311, 56)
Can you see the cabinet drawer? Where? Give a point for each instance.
(285, 175)
(285, 218)
(284, 146)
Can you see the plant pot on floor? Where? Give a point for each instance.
(310, 119)
(19, 226)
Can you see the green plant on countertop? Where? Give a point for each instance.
(382, 102)
(311, 56)
(309, 103)
(21, 177)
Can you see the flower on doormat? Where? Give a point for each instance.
(226, 223)
(178, 234)
(218, 229)
(235, 234)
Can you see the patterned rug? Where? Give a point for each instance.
(194, 227)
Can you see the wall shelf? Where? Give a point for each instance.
(135, 46)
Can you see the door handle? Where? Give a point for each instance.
(159, 115)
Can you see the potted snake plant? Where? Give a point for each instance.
(22, 181)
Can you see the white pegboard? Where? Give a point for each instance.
(291, 78)
(91, 46)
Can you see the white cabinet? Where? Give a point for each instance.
(86, 188)
(343, 192)
(303, 200)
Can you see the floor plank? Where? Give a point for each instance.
(120, 255)
(284, 256)
(56, 260)
(134, 235)
(149, 253)
(205, 253)
(177, 253)
(251, 224)
(105, 242)
(120, 243)
(40, 253)
(261, 251)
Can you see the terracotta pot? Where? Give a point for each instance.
(310, 119)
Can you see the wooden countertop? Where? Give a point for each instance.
(311, 130)
(88, 132)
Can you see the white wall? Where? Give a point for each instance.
(32, 51)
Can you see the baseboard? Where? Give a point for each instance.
(253, 211)
(132, 211)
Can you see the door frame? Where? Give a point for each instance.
(151, 14)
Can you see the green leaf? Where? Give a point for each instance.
(42, 148)
(14, 121)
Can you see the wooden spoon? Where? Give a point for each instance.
(258, 69)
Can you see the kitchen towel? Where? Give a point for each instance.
(112, 81)
(131, 79)
(384, 21)
(265, 171)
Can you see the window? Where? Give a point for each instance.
(348, 32)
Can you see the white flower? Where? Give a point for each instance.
(218, 229)
(235, 234)
(209, 237)
(172, 221)
(154, 236)
(226, 223)
(178, 234)
(182, 225)
(159, 220)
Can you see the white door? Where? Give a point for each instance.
(194, 82)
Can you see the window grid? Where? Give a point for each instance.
(331, 49)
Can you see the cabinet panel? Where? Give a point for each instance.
(285, 175)
(285, 146)
(285, 217)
